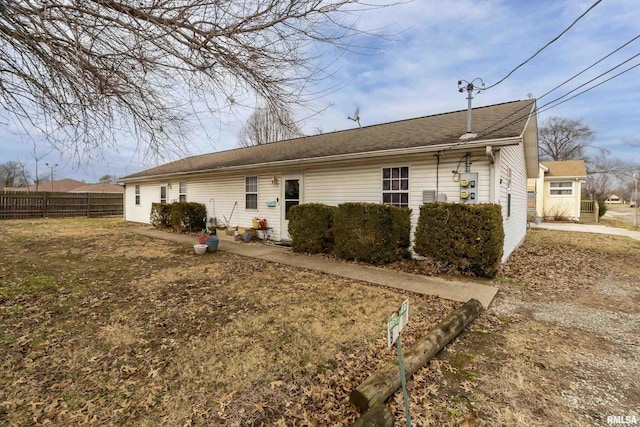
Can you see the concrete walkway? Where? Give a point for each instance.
(587, 228)
(447, 289)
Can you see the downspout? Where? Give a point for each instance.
(437, 174)
(492, 173)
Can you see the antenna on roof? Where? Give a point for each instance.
(356, 117)
(469, 88)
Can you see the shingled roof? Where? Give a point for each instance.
(500, 121)
(566, 169)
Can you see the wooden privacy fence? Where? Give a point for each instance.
(21, 205)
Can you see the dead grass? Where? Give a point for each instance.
(102, 326)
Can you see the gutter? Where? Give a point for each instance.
(338, 157)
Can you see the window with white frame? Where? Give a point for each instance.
(395, 186)
(182, 191)
(137, 191)
(561, 188)
(163, 194)
(251, 192)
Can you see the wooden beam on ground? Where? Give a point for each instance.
(378, 415)
(380, 385)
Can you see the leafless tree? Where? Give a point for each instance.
(605, 174)
(106, 179)
(265, 125)
(14, 174)
(565, 139)
(85, 73)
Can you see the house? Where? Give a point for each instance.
(613, 199)
(68, 185)
(404, 163)
(558, 189)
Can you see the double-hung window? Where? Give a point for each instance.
(163, 194)
(561, 188)
(137, 191)
(182, 191)
(251, 192)
(395, 186)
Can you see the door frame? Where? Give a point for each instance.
(284, 223)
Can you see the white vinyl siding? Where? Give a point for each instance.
(512, 196)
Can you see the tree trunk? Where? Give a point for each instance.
(376, 416)
(383, 383)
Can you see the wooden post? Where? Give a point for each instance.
(88, 205)
(376, 416)
(44, 204)
(380, 385)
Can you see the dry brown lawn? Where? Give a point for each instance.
(102, 326)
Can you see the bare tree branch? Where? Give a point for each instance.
(85, 73)
(265, 125)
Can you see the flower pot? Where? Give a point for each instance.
(200, 249)
(212, 243)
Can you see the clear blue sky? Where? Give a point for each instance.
(415, 73)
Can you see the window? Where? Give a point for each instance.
(561, 188)
(251, 192)
(137, 194)
(163, 194)
(395, 186)
(509, 205)
(182, 191)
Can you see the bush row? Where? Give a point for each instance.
(377, 234)
(181, 216)
(468, 237)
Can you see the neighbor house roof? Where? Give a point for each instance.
(59, 186)
(566, 169)
(69, 185)
(495, 122)
(98, 188)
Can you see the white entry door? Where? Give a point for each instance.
(292, 194)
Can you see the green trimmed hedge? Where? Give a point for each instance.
(160, 215)
(188, 216)
(374, 233)
(311, 228)
(182, 216)
(469, 237)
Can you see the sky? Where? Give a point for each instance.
(430, 45)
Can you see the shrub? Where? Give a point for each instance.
(160, 215)
(311, 228)
(602, 208)
(373, 233)
(188, 216)
(468, 237)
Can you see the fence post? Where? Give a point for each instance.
(88, 205)
(44, 204)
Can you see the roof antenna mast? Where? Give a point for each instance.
(469, 87)
(356, 117)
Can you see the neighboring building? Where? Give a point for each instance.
(69, 186)
(558, 189)
(613, 199)
(404, 163)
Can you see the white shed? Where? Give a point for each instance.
(404, 163)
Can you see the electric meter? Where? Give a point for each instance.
(464, 182)
(464, 194)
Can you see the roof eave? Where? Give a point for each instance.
(351, 156)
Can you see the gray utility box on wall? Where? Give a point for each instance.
(468, 187)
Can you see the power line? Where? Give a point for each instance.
(546, 45)
(570, 79)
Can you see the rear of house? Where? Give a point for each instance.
(403, 163)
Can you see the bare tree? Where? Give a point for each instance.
(605, 174)
(14, 174)
(85, 72)
(565, 139)
(266, 125)
(106, 179)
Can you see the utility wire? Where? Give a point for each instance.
(540, 110)
(570, 79)
(546, 45)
